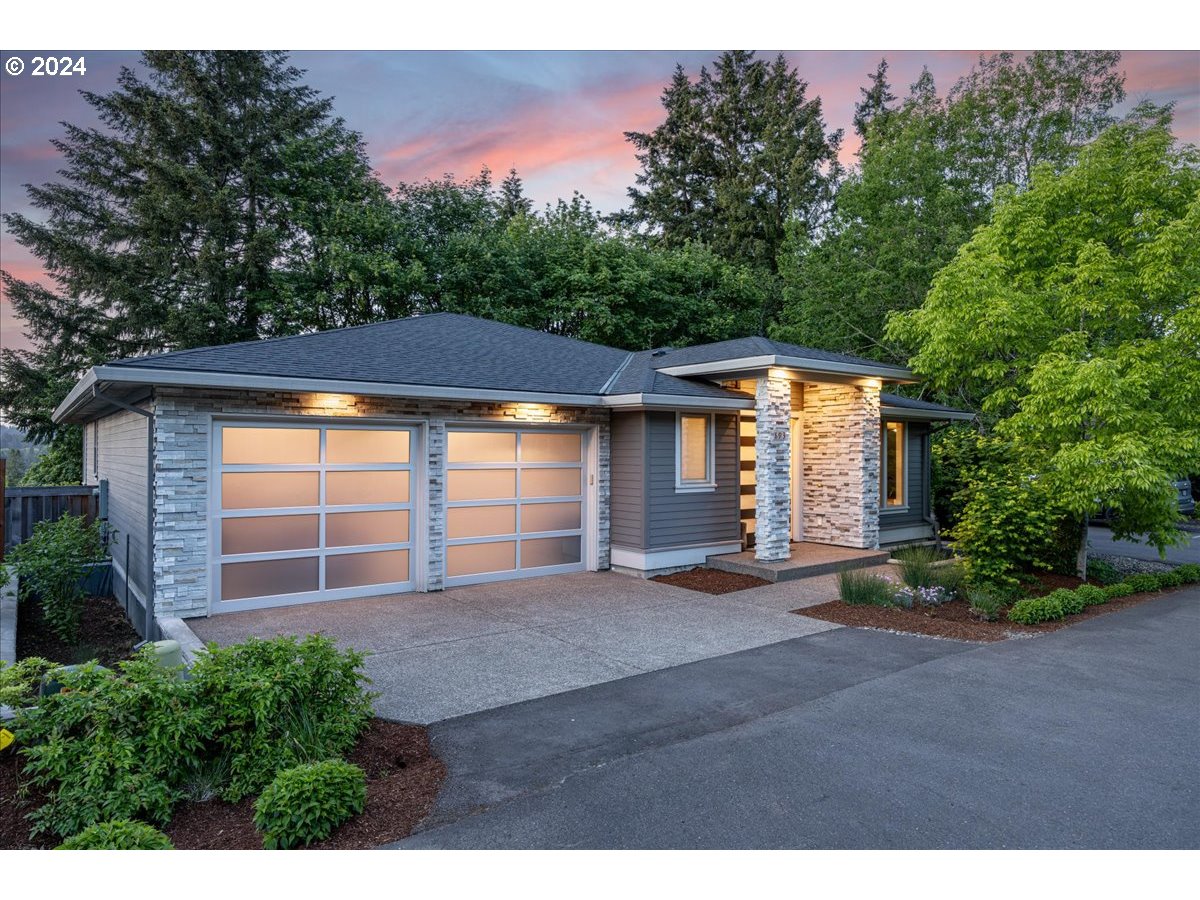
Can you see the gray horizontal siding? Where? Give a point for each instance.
(677, 519)
(121, 460)
(918, 490)
(627, 496)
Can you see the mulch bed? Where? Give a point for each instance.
(105, 634)
(403, 780)
(711, 581)
(953, 620)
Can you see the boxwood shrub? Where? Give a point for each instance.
(1091, 595)
(120, 834)
(1034, 610)
(306, 803)
(1142, 582)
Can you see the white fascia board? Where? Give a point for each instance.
(817, 366)
(79, 393)
(675, 401)
(224, 380)
(923, 415)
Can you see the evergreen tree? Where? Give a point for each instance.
(742, 153)
(174, 221)
(874, 106)
(513, 201)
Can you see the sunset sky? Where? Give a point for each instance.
(557, 116)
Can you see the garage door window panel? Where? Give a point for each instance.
(292, 517)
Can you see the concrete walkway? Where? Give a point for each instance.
(1083, 738)
(434, 656)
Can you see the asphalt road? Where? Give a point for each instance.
(1087, 737)
(1100, 540)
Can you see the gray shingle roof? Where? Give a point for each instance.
(443, 349)
(899, 402)
(740, 348)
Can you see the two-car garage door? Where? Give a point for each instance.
(307, 512)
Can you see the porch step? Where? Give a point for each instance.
(805, 561)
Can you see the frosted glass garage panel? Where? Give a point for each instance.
(551, 482)
(365, 446)
(476, 559)
(267, 534)
(481, 446)
(273, 576)
(550, 517)
(269, 490)
(560, 551)
(270, 446)
(352, 488)
(480, 521)
(481, 484)
(539, 447)
(345, 570)
(355, 528)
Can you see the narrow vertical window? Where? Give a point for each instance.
(891, 470)
(694, 442)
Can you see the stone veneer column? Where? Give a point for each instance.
(773, 468)
(841, 465)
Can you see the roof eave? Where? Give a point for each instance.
(895, 374)
(925, 415)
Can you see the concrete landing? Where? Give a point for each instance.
(805, 561)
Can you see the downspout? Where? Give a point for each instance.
(148, 618)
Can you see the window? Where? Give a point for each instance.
(891, 469)
(694, 452)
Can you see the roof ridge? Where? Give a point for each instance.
(612, 379)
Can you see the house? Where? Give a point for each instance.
(442, 450)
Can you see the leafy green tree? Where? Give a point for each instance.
(1075, 314)
(742, 153)
(926, 181)
(216, 194)
(61, 463)
(513, 201)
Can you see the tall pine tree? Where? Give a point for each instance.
(742, 153)
(875, 104)
(175, 221)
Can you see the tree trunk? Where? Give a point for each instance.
(1081, 557)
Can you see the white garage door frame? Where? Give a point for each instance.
(416, 545)
(588, 497)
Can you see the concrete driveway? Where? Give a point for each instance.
(1083, 738)
(434, 656)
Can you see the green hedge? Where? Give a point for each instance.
(1035, 610)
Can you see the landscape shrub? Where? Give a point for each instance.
(1091, 595)
(306, 803)
(1169, 579)
(273, 704)
(1034, 610)
(985, 604)
(860, 588)
(120, 834)
(50, 566)
(952, 579)
(1070, 601)
(917, 565)
(1189, 572)
(19, 681)
(1142, 582)
(1103, 571)
(1118, 590)
(111, 745)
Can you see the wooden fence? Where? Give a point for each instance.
(24, 507)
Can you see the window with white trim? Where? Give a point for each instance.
(694, 453)
(892, 492)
